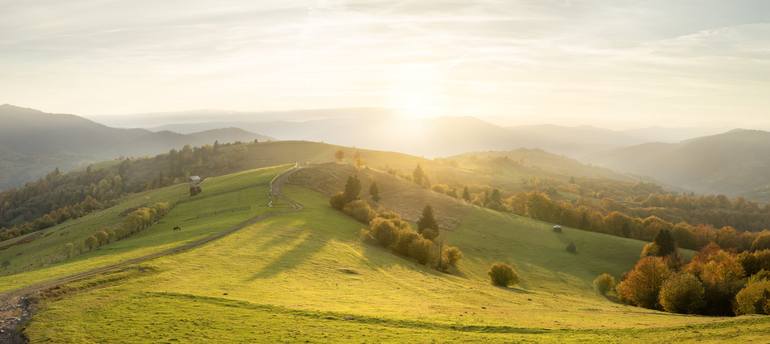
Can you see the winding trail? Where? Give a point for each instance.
(16, 306)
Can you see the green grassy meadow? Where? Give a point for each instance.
(305, 276)
(228, 200)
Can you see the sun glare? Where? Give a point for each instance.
(416, 92)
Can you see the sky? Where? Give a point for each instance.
(615, 64)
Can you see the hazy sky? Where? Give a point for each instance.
(608, 63)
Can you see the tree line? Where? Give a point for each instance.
(58, 197)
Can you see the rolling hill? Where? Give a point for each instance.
(732, 163)
(32, 143)
(303, 275)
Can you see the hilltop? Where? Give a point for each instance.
(33, 142)
(731, 163)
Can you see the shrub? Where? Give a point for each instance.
(641, 286)
(384, 231)
(571, 248)
(420, 250)
(451, 256)
(405, 238)
(682, 293)
(359, 210)
(753, 299)
(429, 233)
(503, 275)
(604, 283)
(337, 201)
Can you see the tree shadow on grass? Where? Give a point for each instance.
(307, 246)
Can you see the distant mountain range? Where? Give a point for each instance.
(733, 163)
(32, 143)
(380, 129)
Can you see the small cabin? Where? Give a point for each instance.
(557, 228)
(195, 187)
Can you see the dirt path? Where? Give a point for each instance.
(17, 306)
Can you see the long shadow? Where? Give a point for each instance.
(306, 248)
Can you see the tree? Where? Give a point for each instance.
(665, 243)
(418, 175)
(753, 299)
(604, 283)
(91, 242)
(352, 189)
(451, 256)
(641, 286)
(503, 275)
(339, 155)
(722, 276)
(682, 293)
(761, 242)
(374, 191)
(466, 194)
(427, 220)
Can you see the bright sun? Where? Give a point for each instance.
(416, 92)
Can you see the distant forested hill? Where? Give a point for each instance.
(32, 143)
(735, 163)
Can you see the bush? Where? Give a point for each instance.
(451, 256)
(682, 293)
(753, 299)
(604, 283)
(359, 210)
(420, 250)
(429, 233)
(762, 275)
(503, 275)
(641, 286)
(571, 248)
(337, 201)
(405, 238)
(384, 231)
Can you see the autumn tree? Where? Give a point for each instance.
(502, 275)
(641, 286)
(682, 293)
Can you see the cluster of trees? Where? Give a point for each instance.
(714, 282)
(389, 230)
(58, 197)
(539, 206)
(135, 221)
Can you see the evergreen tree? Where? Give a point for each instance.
(466, 194)
(352, 189)
(665, 243)
(418, 176)
(374, 191)
(427, 220)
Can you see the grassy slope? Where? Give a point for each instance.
(226, 201)
(306, 276)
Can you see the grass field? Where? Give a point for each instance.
(227, 201)
(305, 276)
